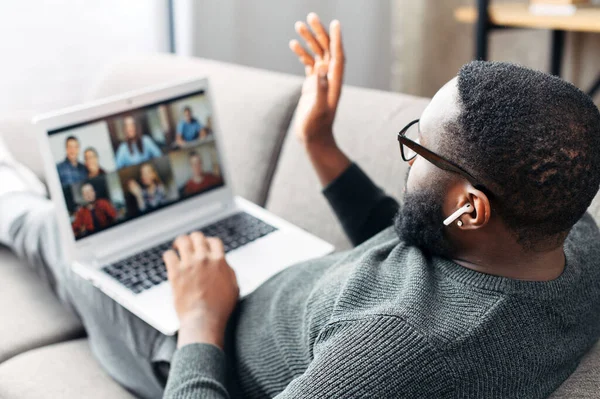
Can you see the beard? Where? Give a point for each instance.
(419, 222)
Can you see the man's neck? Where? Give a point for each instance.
(500, 255)
(544, 267)
(73, 162)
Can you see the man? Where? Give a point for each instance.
(189, 129)
(501, 303)
(94, 215)
(70, 170)
(200, 181)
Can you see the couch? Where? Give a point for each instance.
(43, 349)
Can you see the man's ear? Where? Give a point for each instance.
(472, 206)
(482, 210)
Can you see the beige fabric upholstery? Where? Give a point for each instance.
(584, 383)
(253, 107)
(65, 371)
(31, 315)
(366, 128)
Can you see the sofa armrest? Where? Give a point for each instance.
(20, 137)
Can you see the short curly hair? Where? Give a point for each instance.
(534, 140)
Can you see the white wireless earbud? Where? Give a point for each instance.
(468, 208)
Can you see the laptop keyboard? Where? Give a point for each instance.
(146, 269)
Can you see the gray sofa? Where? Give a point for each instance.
(43, 349)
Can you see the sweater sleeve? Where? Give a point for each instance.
(380, 357)
(197, 371)
(362, 208)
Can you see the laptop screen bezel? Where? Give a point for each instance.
(129, 234)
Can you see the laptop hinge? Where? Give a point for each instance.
(87, 255)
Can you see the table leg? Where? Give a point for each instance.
(482, 28)
(595, 88)
(558, 46)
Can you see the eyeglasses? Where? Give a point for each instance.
(410, 148)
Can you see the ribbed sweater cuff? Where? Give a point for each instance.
(198, 361)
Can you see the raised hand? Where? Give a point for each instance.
(323, 60)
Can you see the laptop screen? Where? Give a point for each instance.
(128, 165)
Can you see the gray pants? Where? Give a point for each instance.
(132, 352)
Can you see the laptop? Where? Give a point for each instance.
(129, 174)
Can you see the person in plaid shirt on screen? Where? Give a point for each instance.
(70, 170)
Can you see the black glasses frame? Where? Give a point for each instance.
(436, 159)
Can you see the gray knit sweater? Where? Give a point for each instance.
(386, 320)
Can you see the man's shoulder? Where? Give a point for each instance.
(62, 164)
(82, 211)
(416, 288)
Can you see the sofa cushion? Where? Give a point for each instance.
(67, 370)
(254, 108)
(584, 383)
(594, 209)
(366, 127)
(31, 315)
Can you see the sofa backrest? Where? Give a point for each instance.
(366, 128)
(254, 108)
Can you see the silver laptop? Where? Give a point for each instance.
(129, 174)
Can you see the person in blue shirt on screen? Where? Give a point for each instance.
(189, 128)
(136, 148)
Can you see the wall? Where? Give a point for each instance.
(51, 49)
(431, 46)
(256, 33)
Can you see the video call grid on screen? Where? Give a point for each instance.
(127, 165)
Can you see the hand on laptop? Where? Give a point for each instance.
(323, 59)
(205, 289)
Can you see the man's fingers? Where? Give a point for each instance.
(302, 54)
(184, 246)
(320, 32)
(199, 242)
(309, 38)
(337, 48)
(171, 261)
(215, 246)
(338, 60)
